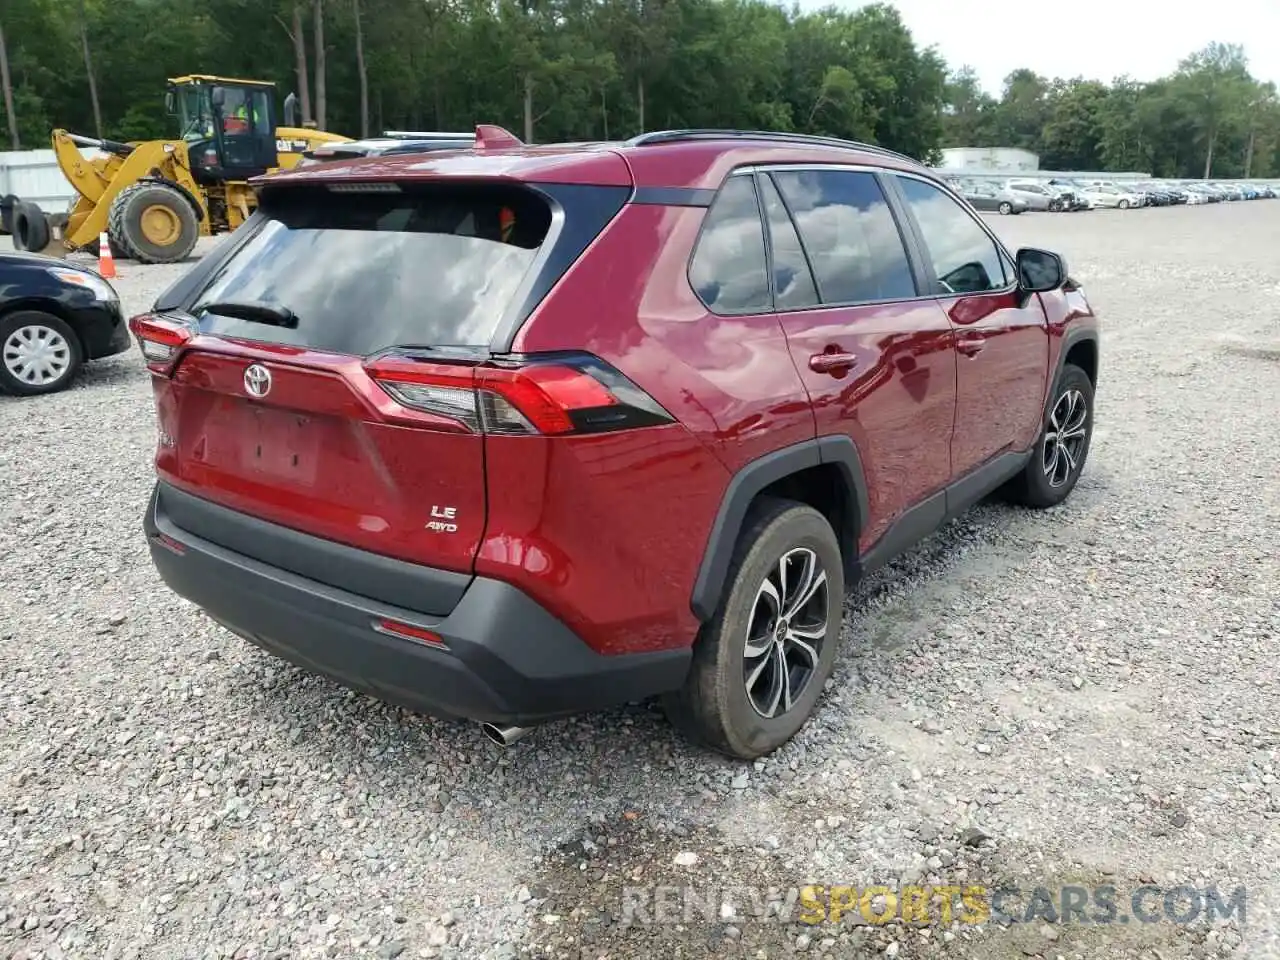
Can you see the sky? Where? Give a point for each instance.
(1095, 39)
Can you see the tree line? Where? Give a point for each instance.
(1210, 117)
(556, 70)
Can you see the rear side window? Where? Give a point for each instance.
(728, 270)
(431, 265)
(850, 235)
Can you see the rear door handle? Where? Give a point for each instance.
(971, 344)
(831, 362)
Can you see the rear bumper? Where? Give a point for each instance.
(509, 661)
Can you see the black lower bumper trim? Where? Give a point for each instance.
(509, 661)
(425, 590)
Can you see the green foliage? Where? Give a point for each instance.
(590, 69)
(1209, 118)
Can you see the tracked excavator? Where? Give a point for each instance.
(156, 198)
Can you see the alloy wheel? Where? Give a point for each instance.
(37, 355)
(785, 632)
(1065, 437)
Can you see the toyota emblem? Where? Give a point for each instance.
(257, 380)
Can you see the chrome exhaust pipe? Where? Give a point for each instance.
(503, 736)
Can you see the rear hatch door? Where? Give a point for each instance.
(273, 410)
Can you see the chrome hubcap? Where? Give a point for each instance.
(37, 355)
(785, 633)
(1064, 437)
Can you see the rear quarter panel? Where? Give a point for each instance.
(729, 382)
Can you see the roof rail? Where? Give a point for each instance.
(427, 135)
(674, 136)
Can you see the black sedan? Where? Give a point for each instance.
(54, 315)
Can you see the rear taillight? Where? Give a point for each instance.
(534, 396)
(160, 339)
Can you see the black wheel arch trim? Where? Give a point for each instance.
(746, 485)
(51, 307)
(1071, 338)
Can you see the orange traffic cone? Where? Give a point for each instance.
(106, 263)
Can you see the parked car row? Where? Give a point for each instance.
(1063, 195)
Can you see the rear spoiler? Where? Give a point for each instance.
(487, 136)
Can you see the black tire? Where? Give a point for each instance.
(714, 706)
(1005, 208)
(71, 355)
(6, 212)
(125, 224)
(1036, 486)
(1124, 204)
(30, 227)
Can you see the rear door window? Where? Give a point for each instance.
(792, 280)
(849, 234)
(426, 265)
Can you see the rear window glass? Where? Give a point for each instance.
(729, 270)
(434, 265)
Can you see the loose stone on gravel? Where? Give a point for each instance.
(283, 816)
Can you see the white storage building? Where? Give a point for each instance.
(990, 159)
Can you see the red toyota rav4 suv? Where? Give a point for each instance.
(510, 433)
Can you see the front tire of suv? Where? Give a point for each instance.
(760, 663)
(1063, 445)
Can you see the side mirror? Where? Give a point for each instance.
(291, 110)
(1040, 271)
(218, 97)
(169, 105)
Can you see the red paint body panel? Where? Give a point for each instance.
(728, 379)
(585, 165)
(897, 402)
(1003, 365)
(694, 164)
(605, 530)
(327, 453)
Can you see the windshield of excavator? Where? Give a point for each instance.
(195, 112)
(244, 110)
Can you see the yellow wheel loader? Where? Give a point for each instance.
(155, 198)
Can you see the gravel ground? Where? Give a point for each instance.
(1077, 697)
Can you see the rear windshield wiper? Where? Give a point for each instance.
(253, 312)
